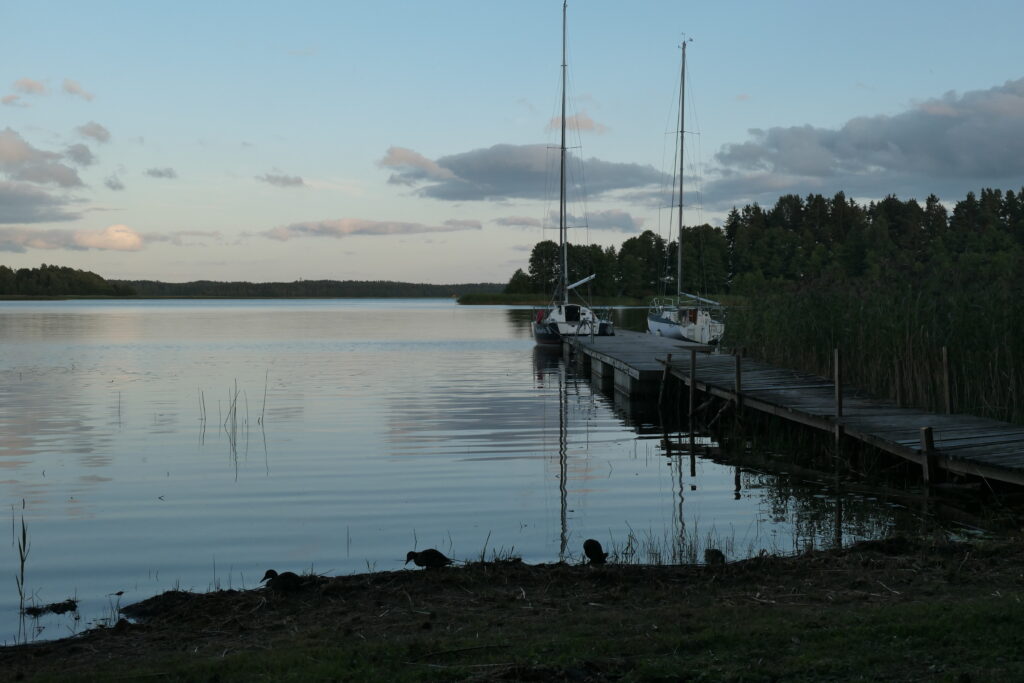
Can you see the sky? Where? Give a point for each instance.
(417, 141)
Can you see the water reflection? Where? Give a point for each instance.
(138, 435)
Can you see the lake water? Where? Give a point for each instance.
(194, 444)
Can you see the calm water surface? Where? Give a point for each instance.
(194, 444)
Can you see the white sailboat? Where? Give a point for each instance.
(685, 316)
(563, 319)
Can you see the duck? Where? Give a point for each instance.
(429, 558)
(714, 556)
(283, 582)
(594, 552)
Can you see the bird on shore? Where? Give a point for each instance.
(592, 549)
(714, 556)
(284, 582)
(429, 558)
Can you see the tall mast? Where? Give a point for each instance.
(562, 229)
(682, 135)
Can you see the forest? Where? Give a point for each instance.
(57, 281)
(891, 283)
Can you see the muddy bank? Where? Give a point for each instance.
(893, 609)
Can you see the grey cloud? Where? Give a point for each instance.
(183, 238)
(114, 183)
(80, 154)
(95, 131)
(73, 88)
(161, 173)
(345, 227)
(23, 203)
(612, 219)
(949, 144)
(510, 171)
(518, 222)
(21, 161)
(282, 180)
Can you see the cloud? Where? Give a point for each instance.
(581, 122)
(508, 171)
(946, 145)
(161, 173)
(345, 227)
(183, 238)
(12, 101)
(282, 180)
(24, 203)
(113, 238)
(95, 131)
(412, 166)
(29, 87)
(80, 154)
(114, 183)
(517, 222)
(21, 161)
(612, 219)
(73, 88)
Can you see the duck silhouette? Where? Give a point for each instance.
(714, 556)
(284, 582)
(594, 552)
(429, 558)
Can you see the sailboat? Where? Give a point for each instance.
(685, 316)
(564, 320)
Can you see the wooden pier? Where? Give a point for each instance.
(637, 364)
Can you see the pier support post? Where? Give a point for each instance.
(664, 379)
(837, 371)
(929, 465)
(693, 384)
(947, 395)
(739, 379)
(898, 381)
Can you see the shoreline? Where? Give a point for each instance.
(894, 609)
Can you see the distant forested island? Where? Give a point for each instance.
(62, 281)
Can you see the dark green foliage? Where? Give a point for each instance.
(57, 281)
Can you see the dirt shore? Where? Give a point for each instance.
(879, 610)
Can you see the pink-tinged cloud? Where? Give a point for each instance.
(12, 101)
(581, 122)
(29, 87)
(113, 238)
(346, 227)
(412, 164)
(73, 88)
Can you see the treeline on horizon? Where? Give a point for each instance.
(57, 281)
(312, 289)
(890, 283)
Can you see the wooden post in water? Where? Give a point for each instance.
(929, 467)
(693, 384)
(947, 395)
(664, 379)
(739, 377)
(898, 380)
(838, 375)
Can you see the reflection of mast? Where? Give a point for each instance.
(563, 458)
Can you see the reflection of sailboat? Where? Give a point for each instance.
(564, 319)
(685, 316)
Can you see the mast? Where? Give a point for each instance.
(562, 229)
(682, 135)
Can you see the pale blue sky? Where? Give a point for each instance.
(407, 140)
